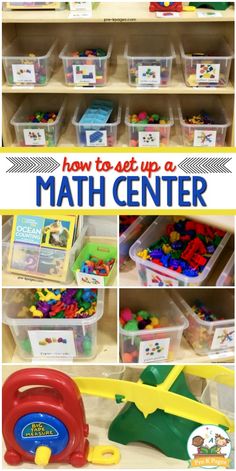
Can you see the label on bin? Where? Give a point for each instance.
(84, 74)
(208, 73)
(149, 75)
(52, 343)
(34, 137)
(96, 138)
(86, 279)
(223, 338)
(23, 73)
(204, 138)
(156, 279)
(153, 350)
(149, 139)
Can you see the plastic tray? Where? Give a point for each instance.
(67, 258)
(151, 274)
(93, 135)
(156, 345)
(226, 278)
(149, 60)
(150, 135)
(209, 135)
(34, 5)
(131, 234)
(80, 334)
(20, 69)
(210, 69)
(86, 71)
(38, 134)
(208, 337)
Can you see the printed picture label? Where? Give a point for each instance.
(208, 73)
(34, 137)
(23, 73)
(52, 343)
(83, 73)
(157, 279)
(85, 279)
(149, 139)
(223, 338)
(96, 138)
(149, 75)
(205, 138)
(153, 350)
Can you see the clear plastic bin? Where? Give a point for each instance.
(30, 334)
(131, 235)
(226, 278)
(150, 135)
(93, 135)
(151, 274)
(211, 65)
(204, 336)
(59, 259)
(156, 345)
(39, 134)
(149, 60)
(207, 135)
(34, 5)
(86, 71)
(22, 69)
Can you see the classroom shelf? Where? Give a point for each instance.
(114, 12)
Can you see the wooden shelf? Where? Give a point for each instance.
(114, 12)
(118, 84)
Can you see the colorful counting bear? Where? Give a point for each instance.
(186, 247)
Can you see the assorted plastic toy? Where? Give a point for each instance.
(97, 125)
(95, 264)
(46, 423)
(85, 65)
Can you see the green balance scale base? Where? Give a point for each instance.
(213, 5)
(164, 431)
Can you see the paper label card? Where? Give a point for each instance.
(208, 73)
(34, 137)
(96, 138)
(80, 9)
(149, 75)
(52, 343)
(157, 279)
(204, 138)
(83, 73)
(223, 338)
(85, 279)
(153, 350)
(167, 14)
(149, 139)
(208, 14)
(23, 73)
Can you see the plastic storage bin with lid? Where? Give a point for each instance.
(97, 246)
(55, 266)
(153, 274)
(226, 278)
(96, 124)
(209, 110)
(85, 61)
(131, 234)
(50, 338)
(30, 60)
(36, 133)
(208, 336)
(149, 59)
(156, 344)
(34, 5)
(149, 135)
(206, 60)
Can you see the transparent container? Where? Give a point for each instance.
(151, 274)
(131, 234)
(39, 134)
(226, 278)
(94, 135)
(204, 336)
(156, 345)
(38, 338)
(149, 60)
(207, 135)
(210, 67)
(34, 5)
(86, 71)
(22, 69)
(57, 268)
(150, 135)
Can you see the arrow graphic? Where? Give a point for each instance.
(32, 165)
(205, 165)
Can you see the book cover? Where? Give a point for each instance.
(40, 245)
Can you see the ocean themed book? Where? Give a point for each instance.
(40, 245)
